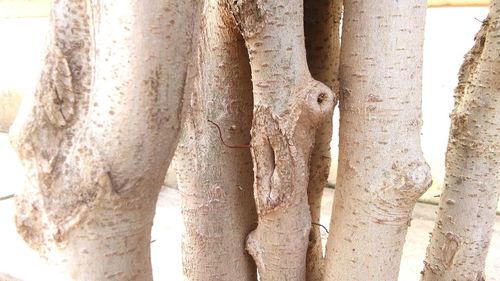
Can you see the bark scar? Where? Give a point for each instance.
(63, 199)
(449, 249)
(404, 183)
(57, 95)
(282, 145)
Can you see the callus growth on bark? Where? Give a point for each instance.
(289, 105)
(99, 133)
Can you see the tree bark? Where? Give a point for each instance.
(381, 170)
(322, 38)
(461, 236)
(215, 180)
(289, 105)
(99, 133)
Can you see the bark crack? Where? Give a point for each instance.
(57, 90)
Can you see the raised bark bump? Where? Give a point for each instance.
(380, 109)
(287, 112)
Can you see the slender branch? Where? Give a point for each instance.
(7, 197)
(222, 139)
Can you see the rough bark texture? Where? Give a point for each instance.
(99, 133)
(462, 233)
(288, 108)
(215, 180)
(381, 170)
(321, 26)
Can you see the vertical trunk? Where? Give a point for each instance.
(215, 180)
(462, 233)
(288, 108)
(381, 170)
(100, 134)
(321, 26)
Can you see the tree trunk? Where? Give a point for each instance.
(464, 225)
(288, 108)
(322, 38)
(381, 170)
(100, 132)
(215, 180)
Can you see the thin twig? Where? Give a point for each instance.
(222, 139)
(315, 223)
(7, 197)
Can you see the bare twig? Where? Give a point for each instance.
(7, 277)
(7, 197)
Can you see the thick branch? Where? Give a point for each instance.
(381, 170)
(288, 108)
(464, 225)
(213, 160)
(101, 133)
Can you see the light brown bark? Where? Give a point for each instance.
(100, 132)
(215, 180)
(322, 38)
(381, 170)
(461, 236)
(288, 108)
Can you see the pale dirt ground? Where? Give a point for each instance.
(449, 34)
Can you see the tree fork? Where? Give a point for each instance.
(289, 105)
(321, 25)
(100, 132)
(381, 170)
(461, 236)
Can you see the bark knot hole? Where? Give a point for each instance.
(321, 97)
